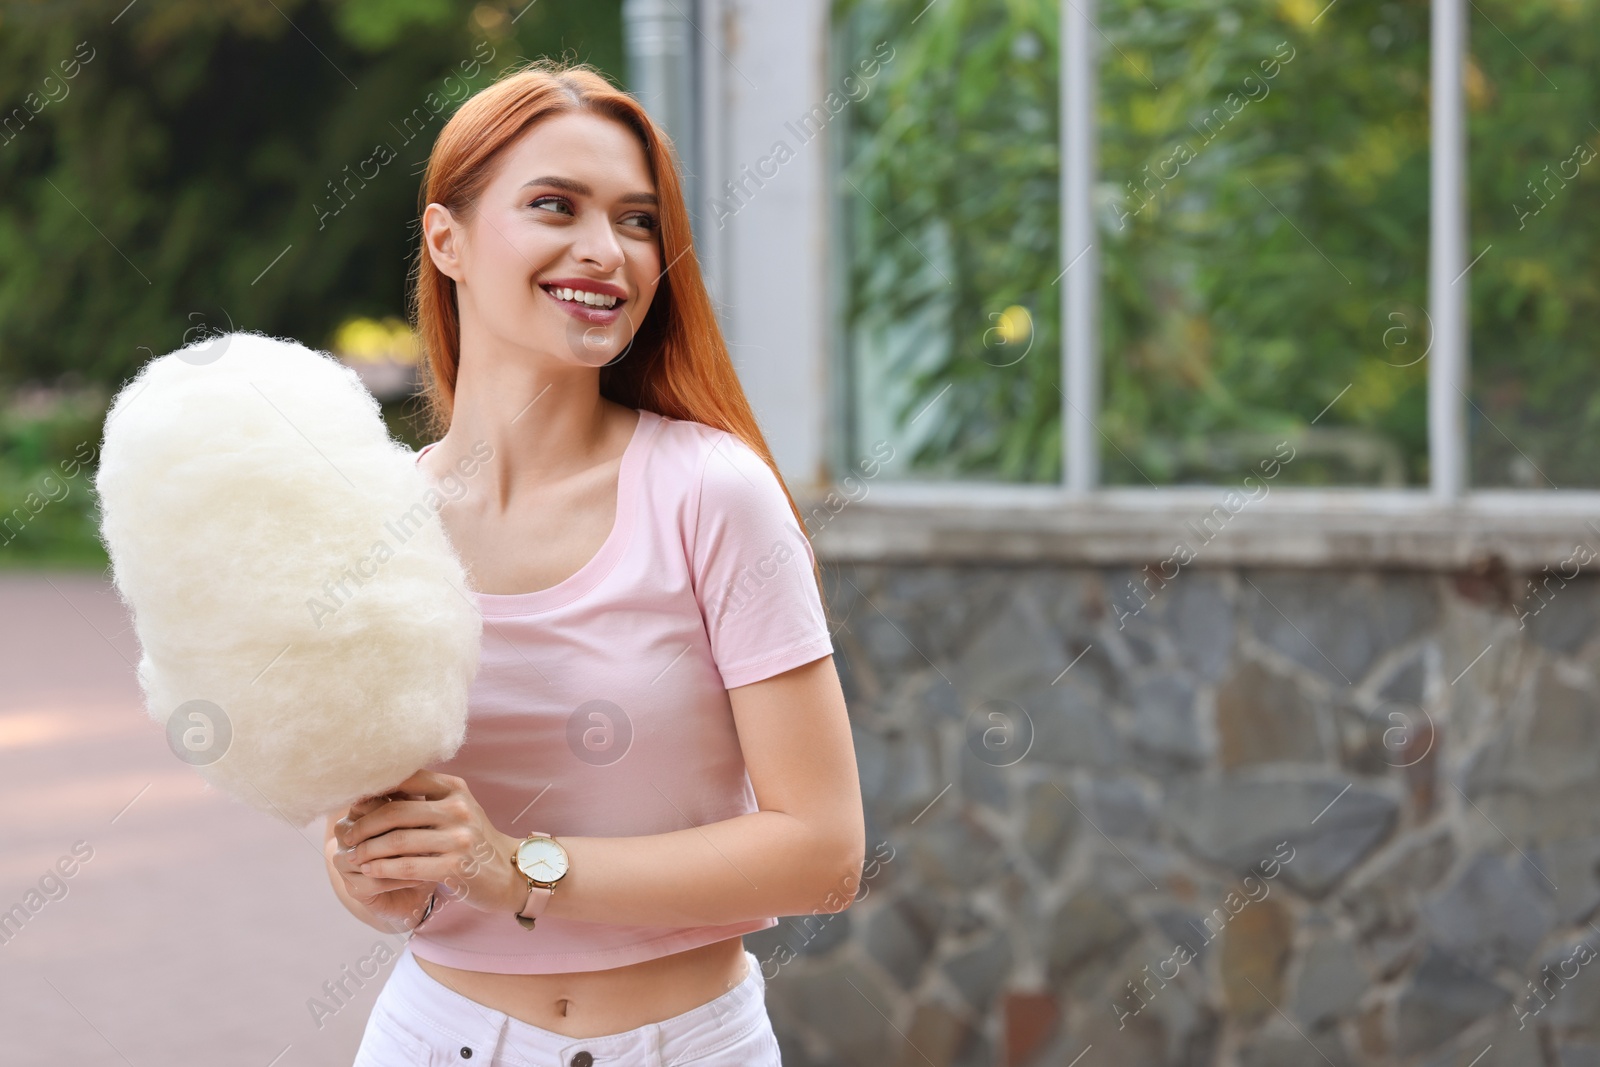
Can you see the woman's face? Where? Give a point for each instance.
(563, 253)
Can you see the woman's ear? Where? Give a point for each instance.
(443, 236)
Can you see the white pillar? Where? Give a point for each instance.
(767, 215)
(660, 40)
(1080, 356)
(1448, 284)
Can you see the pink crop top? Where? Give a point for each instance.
(600, 707)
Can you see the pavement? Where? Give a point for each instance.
(192, 930)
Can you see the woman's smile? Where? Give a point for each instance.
(596, 303)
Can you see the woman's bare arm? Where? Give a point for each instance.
(802, 852)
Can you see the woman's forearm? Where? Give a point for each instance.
(752, 866)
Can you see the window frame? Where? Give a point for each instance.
(797, 383)
(1447, 262)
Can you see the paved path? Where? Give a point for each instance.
(198, 929)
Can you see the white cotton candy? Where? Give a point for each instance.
(284, 562)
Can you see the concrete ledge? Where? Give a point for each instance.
(1212, 526)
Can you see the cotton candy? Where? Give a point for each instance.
(307, 633)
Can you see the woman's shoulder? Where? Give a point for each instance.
(713, 454)
(695, 442)
(716, 469)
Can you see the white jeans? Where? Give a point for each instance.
(419, 1022)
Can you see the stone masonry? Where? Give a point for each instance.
(1258, 817)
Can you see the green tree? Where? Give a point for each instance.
(173, 169)
(183, 177)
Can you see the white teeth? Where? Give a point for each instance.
(581, 296)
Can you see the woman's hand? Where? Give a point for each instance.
(400, 902)
(442, 836)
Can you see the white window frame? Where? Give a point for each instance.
(763, 64)
(1447, 242)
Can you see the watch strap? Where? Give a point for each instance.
(538, 899)
(539, 893)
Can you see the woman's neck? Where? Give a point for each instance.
(542, 422)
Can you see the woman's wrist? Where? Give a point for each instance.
(516, 894)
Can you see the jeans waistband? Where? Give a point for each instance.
(690, 1034)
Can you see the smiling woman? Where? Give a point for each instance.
(658, 757)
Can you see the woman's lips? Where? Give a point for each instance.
(584, 313)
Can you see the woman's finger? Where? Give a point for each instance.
(394, 815)
(345, 860)
(368, 805)
(428, 785)
(410, 841)
(388, 885)
(366, 886)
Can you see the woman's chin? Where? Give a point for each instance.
(598, 345)
(600, 357)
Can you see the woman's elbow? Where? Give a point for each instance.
(848, 858)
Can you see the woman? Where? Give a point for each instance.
(656, 688)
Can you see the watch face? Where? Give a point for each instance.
(542, 859)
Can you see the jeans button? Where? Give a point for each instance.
(583, 1059)
(466, 1053)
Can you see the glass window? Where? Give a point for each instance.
(1534, 187)
(946, 200)
(1262, 201)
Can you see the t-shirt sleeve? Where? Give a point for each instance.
(753, 570)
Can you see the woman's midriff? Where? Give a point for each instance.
(583, 1004)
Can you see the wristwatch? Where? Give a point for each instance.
(543, 862)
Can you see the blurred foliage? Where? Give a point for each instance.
(949, 214)
(186, 173)
(49, 441)
(1262, 209)
(369, 340)
(172, 169)
(1535, 191)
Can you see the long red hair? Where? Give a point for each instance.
(678, 364)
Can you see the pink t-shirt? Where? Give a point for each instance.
(600, 706)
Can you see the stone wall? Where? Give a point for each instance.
(1258, 817)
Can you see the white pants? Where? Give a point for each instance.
(419, 1022)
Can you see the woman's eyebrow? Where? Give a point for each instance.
(578, 188)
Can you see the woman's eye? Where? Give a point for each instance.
(556, 200)
(649, 221)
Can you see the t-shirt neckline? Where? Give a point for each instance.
(616, 543)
